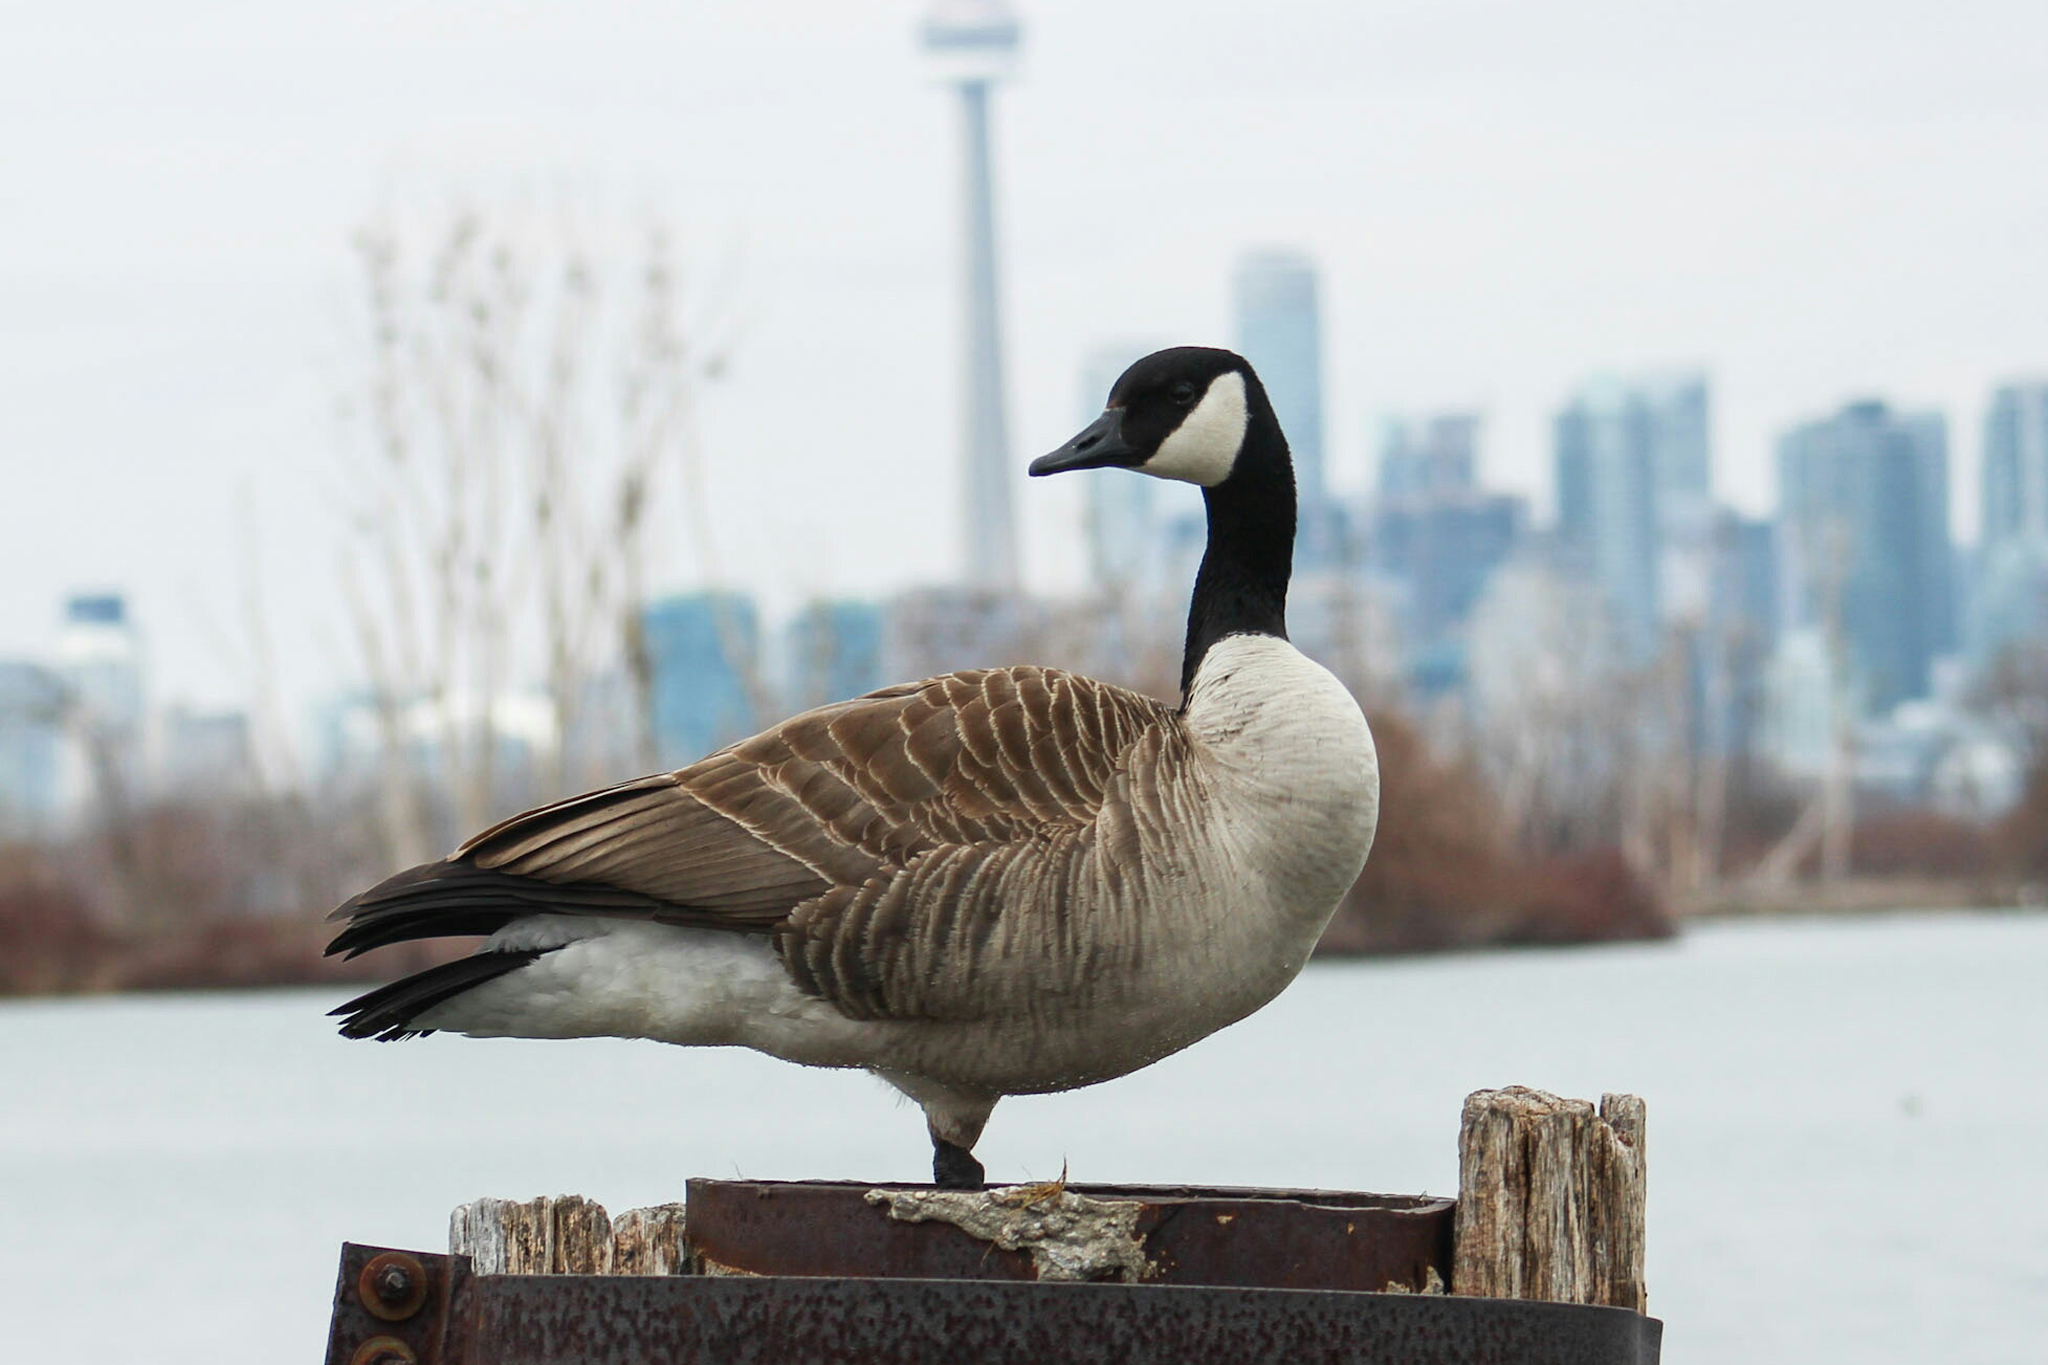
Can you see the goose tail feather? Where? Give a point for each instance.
(454, 898)
(392, 1012)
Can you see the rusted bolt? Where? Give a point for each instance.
(393, 1286)
(383, 1351)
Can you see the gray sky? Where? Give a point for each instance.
(1813, 200)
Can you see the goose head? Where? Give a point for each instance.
(1201, 416)
(1192, 413)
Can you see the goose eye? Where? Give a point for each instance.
(1183, 393)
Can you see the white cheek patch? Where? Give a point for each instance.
(1203, 448)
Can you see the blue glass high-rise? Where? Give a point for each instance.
(835, 652)
(1863, 499)
(1632, 459)
(704, 648)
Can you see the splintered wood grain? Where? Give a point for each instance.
(564, 1235)
(1551, 1198)
(649, 1241)
(567, 1235)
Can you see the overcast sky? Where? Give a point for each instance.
(1815, 201)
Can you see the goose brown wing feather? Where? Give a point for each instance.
(658, 839)
(1061, 771)
(834, 809)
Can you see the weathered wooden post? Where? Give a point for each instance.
(1550, 1198)
(566, 1235)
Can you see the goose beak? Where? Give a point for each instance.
(1100, 443)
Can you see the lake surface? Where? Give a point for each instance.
(1847, 1132)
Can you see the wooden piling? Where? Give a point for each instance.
(1550, 1199)
(649, 1241)
(566, 1235)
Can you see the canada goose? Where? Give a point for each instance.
(996, 882)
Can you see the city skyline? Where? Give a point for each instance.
(1498, 238)
(1858, 550)
(1660, 429)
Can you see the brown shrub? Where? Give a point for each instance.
(50, 939)
(1919, 843)
(2020, 840)
(1586, 898)
(188, 895)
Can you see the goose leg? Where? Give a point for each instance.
(954, 1167)
(954, 1118)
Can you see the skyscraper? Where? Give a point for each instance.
(1633, 461)
(1739, 632)
(1443, 549)
(1606, 505)
(2008, 597)
(99, 658)
(2015, 472)
(2009, 589)
(1439, 538)
(1742, 590)
(1863, 499)
(1437, 455)
(835, 652)
(1681, 455)
(1278, 327)
(974, 42)
(31, 733)
(706, 649)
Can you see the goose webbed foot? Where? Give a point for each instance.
(954, 1167)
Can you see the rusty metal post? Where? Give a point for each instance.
(749, 1320)
(394, 1308)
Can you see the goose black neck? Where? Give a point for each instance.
(1242, 586)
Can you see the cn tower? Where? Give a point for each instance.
(973, 43)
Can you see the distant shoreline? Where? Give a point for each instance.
(1860, 896)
